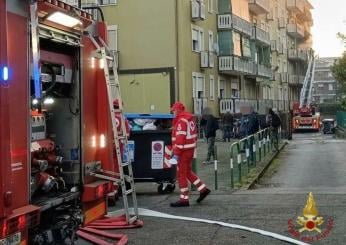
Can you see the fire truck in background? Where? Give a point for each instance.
(55, 125)
(305, 115)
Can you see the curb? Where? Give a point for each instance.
(262, 172)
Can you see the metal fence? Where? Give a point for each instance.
(341, 119)
(246, 153)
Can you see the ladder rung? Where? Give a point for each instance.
(124, 164)
(133, 219)
(117, 110)
(129, 191)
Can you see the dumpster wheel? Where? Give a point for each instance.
(165, 188)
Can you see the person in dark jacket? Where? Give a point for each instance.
(227, 122)
(210, 133)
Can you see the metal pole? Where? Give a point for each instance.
(239, 162)
(215, 170)
(232, 178)
(194, 168)
(247, 154)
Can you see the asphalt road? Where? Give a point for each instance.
(311, 162)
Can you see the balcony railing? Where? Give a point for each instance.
(241, 25)
(295, 30)
(225, 63)
(224, 21)
(264, 71)
(297, 54)
(231, 21)
(296, 6)
(295, 79)
(261, 35)
(259, 6)
(236, 64)
(244, 65)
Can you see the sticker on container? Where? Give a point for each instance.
(129, 151)
(157, 154)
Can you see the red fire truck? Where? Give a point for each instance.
(54, 121)
(305, 116)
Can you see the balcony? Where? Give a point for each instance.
(242, 25)
(296, 6)
(295, 30)
(297, 55)
(259, 6)
(264, 71)
(224, 21)
(236, 65)
(261, 35)
(295, 80)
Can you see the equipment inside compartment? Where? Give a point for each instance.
(55, 126)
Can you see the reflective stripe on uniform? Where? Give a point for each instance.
(196, 181)
(185, 197)
(201, 187)
(181, 133)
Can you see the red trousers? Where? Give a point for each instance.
(186, 175)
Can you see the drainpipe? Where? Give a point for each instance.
(177, 50)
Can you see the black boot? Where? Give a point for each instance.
(180, 203)
(203, 195)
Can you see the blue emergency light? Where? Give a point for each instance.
(4, 74)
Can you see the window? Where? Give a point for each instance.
(113, 37)
(237, 44)
(107, 2)
(222, 89)
(212, 88)
(195, 44)
(197, 39)
(246, 47)
(211, 41)
(201, 40)
(198, 85)
(210, 6)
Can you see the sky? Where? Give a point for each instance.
(329, 18)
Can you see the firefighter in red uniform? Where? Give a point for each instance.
(184, 141)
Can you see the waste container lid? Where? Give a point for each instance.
(149, 116)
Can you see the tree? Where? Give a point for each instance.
(339, 72)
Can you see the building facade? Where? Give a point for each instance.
(207, 53)
(325, 86)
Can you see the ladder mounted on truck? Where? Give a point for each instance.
(125, 175)
(305, 93)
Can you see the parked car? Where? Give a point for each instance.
(328, 126)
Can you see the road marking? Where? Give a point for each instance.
(152, 213)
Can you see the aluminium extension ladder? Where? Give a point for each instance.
(125, 168)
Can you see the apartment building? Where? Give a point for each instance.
(205, 52)
(299, 43)
(325, 86)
